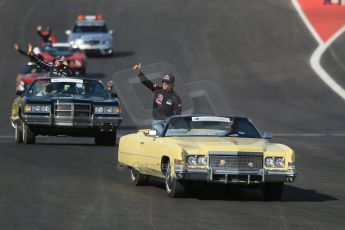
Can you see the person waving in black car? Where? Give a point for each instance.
(55, 69)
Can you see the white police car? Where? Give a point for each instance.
(90, 33)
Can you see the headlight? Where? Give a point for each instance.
(107, 109)
(37, 108)
(27, 108)
(269, 161)
(275, 162)
(191, 160)
(106, 42)
(280, 162)
(196, 160)
(78, 41)
(99, 109)
(201, 160)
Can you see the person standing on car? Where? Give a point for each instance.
(55, 69)
(166, 102)
(46, 35)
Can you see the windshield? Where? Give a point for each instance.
(32, 69)
(90, 29)
(67, 87)
(211, 126)
(59, 51)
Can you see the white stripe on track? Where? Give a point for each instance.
(324, 76)
(306, 21)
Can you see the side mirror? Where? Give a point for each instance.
(113, 95)
(153, 133)
(68, 32)
(267, 135)
(19, 93)
(111, 32)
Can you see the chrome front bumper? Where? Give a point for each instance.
(104, 123)
(227, 176)
(104, 49)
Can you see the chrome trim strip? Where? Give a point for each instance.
(96, 118)
(197, 170)
(235, 153)
(211, 174)
(142, 155)
(237, 172)
(281, 172)
(74, 124)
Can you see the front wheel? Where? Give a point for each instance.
(273, 191)
(18, 134)
(29, 136)
(173, 187)
(137, 178)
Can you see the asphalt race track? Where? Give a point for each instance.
(258, 52)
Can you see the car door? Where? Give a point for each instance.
(152, 149)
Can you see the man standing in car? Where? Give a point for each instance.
(56, 69)
(166, 102)
(46, 35)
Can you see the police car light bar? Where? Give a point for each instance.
(90, 17)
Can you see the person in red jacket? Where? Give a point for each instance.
(46, 35)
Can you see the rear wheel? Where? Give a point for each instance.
(29, 136)
(137, 178)
(18, 134)
(173, 187)
(273, 191)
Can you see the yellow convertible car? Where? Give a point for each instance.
(212, 149)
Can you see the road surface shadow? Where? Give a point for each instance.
(69, 141)
(237, 193)
(121, 54)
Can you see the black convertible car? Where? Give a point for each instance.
(66, 106)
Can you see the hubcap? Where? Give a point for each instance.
(133, 175)
(24, 132)
(168, 179)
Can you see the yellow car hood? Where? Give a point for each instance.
(203, 145)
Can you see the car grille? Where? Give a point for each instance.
(72, 110)
(92, 42)
(237, 162)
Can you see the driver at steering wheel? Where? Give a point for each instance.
(230, 129)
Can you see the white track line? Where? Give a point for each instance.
(307, 22)
(6, 137)
(316, 57)
(324, 76)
